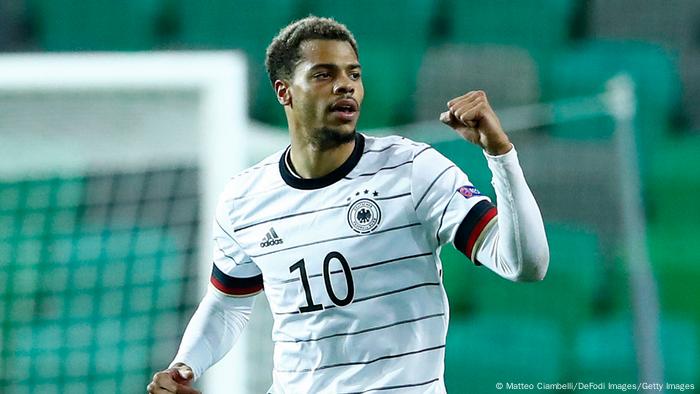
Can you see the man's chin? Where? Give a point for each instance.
(348, 128)
(330, 137)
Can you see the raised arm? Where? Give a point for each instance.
(513, 243)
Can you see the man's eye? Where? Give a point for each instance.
(322, 75)
(355, 75)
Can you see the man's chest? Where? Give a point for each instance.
(312, 229)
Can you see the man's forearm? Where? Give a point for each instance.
(515, 247)
(213, 329)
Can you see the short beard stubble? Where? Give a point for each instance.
(327, 138)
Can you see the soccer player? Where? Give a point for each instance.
(343, 232)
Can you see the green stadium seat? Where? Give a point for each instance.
(508, 75)
(690, 74)
(381, 22)
(246, 25)
(226, 24)
(493, 348)
(670, 23)
(666, 22)
(539, 26)
(98, 25)
(585, 70)
(673, 201)
(389, 82)
(675, 259)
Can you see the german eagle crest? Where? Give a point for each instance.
(364, 215)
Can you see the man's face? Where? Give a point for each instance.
(326, 90)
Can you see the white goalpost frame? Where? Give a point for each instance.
(219, 147)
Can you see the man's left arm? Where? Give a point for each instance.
(515, 245)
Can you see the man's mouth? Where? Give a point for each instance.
(345, 110)
(347, 106)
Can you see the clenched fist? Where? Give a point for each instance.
(471, 116)
(173, 380)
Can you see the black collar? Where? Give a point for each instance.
(326, 180)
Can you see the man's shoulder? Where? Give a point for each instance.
(261, 174)
(393, 144)
(397, 150)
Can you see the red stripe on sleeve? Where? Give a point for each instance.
(239, 291)
(476, 232)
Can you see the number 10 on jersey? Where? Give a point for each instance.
(310, 305)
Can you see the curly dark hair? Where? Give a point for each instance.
(283, 54)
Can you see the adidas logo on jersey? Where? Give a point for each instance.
(271, 239)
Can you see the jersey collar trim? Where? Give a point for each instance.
(326, 180)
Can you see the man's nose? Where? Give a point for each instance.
(344, 85)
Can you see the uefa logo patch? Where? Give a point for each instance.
(364, 215)
(469, 191)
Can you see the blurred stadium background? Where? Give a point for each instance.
(100, 267)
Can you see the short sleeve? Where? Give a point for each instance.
(447, 203)
(233, 273)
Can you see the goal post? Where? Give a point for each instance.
(76, 114)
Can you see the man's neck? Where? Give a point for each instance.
(310, 162)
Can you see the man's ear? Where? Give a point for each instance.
(284, 96)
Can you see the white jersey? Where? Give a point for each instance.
(350, 263)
